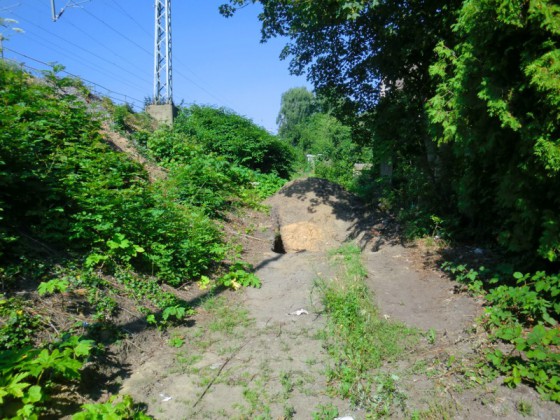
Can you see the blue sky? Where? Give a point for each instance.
(216, 61)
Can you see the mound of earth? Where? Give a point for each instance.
(313, 214)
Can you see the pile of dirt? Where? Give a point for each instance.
(313, 214)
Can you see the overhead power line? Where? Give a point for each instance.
(164, 63)
(124, 12)
(124, 69)
(75, 58)
(105, 47)
(118, 32)
(76, 76)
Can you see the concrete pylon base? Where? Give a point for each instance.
(163, 114)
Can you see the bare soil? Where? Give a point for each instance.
(256, 353)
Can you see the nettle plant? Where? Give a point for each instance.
(29, 376)
(524, 314)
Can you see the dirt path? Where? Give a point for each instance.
(258, 354)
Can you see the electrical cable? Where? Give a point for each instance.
(77, 59)
(216, 97)
(73, 75)
(83, 49)
(115, 53)
(123, 10)
(175, 70)
(118, 32)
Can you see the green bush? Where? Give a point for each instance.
(205, 179)
(237, 138)
(496, 110)
(64, 189)
(523, 313)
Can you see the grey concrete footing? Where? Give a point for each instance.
(163, 114)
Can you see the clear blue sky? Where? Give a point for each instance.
(216, 61)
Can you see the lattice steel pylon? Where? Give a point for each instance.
(163, 82)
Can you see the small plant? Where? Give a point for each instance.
(203, 283)
(525, 408)
(53, 286)
(286, 381)
(177, 341)
(437, 222)
(170, 315)
(27, 376)
(19, 325)
(116, 408)
(177, 313)
(238, 277)
(431, 336)
(289, 412)
(325, 412)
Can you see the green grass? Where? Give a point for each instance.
(226, 316)
(358, 341)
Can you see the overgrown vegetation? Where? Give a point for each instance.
(82, 225)
(236, 138)
(359, 341)
(523, 311)
(458, 102)
(474, 144)
(324, 145)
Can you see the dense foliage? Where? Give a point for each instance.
(497, 109)
(214, 165)
(236, 138)
(459, 98)
(64, 190)
(370, 62)
(307, 124)
(83, 224)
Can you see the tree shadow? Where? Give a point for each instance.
(368, 227)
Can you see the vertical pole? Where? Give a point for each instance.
(169, 72)
(53, 11)
(155, 98)
(163, 91)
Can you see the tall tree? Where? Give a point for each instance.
(296, 106)
(371, 58)
(498, 107)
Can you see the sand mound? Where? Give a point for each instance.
(313, 214)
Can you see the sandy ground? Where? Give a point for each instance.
(256, 353)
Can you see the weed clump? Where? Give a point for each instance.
(359, 341)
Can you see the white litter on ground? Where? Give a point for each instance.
(299, 312)
(165, 398)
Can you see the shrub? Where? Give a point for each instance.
(237, 138)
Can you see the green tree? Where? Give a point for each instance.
(371, 60)
(297, 105)
(497, 108)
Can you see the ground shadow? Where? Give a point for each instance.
(368, 226)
